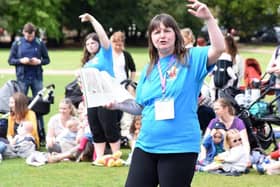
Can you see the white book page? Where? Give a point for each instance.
(100, 88)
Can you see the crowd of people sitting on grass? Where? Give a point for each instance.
(90, 134)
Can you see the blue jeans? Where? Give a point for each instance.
(35, 84)
(3, 146)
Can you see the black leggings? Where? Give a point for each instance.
(104, 124)
(167, 170)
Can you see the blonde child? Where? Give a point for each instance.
(68, 137)
(235, 159)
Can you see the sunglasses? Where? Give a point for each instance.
(237, 140)
(218, 137)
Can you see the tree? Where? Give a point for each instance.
(44, 14)
(245, 16)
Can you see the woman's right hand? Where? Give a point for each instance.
(111, 105)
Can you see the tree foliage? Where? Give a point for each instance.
(44, 14)
(52, 15)
(246, 16)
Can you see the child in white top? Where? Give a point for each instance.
(235, 158)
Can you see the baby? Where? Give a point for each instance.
(23, 143)
(68, 137)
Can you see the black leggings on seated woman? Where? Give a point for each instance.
(167, 170)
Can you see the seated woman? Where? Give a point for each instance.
(225, 114)
(57, 124)
(19, 112)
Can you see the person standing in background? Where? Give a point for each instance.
(125, 70)
(104, 123)
(188, 36)
(273, 69)
(124, 66)
(28, 55)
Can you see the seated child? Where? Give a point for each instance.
(212, 144)
(68, 138)
(271, 168)
(269, 164)
(85, 148)
(134, 132)
(234, 159)
(23, 144)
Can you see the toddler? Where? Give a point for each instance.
(134, 132)
(212, 144)
(235, 159)
(22, 144)
(84, 136)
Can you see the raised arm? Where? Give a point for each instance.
(102, 35)
(217, 45)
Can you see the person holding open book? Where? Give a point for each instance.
(104, 123)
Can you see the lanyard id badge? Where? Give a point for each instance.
(164, 109)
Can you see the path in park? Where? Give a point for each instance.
(72, 72)
(11, 71)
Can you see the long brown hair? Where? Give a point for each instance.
(21, 106)
(231, 47)
(226, 103)
(86, 55)
(167, 21)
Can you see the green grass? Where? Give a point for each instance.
(15, 173)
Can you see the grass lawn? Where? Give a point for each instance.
(15, 173)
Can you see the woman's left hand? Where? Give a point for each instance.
(86, 17)
(199, 9)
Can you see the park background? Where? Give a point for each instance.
(58, 19)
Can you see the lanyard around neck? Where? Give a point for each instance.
(163, 77)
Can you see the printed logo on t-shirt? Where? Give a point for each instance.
(172, 72)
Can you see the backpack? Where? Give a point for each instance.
(221, 76)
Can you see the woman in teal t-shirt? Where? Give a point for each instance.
(104, 123)
(167, 98)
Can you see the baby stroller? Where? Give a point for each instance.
(258, 116)
(40, 104)
(252, 71)
(253, 77)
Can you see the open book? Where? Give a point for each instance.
(99, 88)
